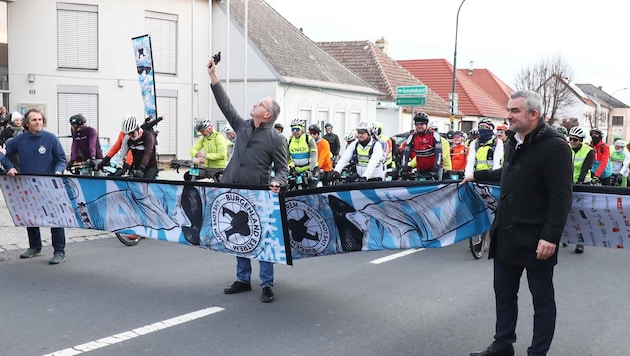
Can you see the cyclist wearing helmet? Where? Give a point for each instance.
(303, 152)
(459, 152)
(424, 147)
(582, 156)
(210, 150)
(85, 144)
(601, 168)
(377, 132)
(258, 153)
(324, 156)
(350, 137)
(231, 140)
(473, 135)
(142, 146)
(279, 127)
(365, 154)
(486, 152)
(620, 158)
(501, 130)
(333, 140)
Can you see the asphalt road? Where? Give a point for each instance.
(432, 302)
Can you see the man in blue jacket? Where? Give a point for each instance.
(39, 152)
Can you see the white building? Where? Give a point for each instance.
(77, 57)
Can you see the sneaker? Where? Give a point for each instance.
(58, 257)
(31, 252)
(267, 295)
(238, 287)
(579, 248)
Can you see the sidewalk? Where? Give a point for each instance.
(15, 238)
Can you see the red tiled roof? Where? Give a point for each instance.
(438, 74)
(376, 68)
(490, 83)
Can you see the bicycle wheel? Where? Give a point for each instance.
(479, 244)
(128, 239)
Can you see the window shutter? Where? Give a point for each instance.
(163, 31)
(69, 104)
(167, 137)
(77, 36)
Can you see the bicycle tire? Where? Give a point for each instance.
(128, 239)
(479, 244)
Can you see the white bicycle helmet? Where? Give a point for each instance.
(620, 143)
(377, 128)
(128, 124)
(577, 132)
(350, 135)
(298, 122)
(363, 126)
(203, 124)
(228, 130)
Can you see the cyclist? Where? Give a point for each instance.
(142, 146)
(601, 168)
(485, 152)
(303, 152)
(230, 135)
(85, 144)
(324, 156)
(333, 140)
(446, 149)
(620, 158)
(279, 127)
(424, 147)
(473, 135)
(502, 129)
(211, 149)
(350, 137)
(582, 155)
(365, 154)
(377, 132)
(459, 153)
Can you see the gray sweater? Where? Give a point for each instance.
(257, 151)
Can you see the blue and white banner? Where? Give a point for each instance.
(255, 223)
(144, 65)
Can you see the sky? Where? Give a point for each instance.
(503, 36)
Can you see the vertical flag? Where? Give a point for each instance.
(144, 64)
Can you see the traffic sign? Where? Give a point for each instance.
(411, 101)
(412, 90)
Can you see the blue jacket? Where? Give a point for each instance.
(39, 153)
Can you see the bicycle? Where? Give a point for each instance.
(416, 175)
(479, 244)
(194, 171)
(297, 181)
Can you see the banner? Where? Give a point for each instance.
(144, 65)
(254, 223)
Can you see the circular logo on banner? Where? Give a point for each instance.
(308, 231)
(235, 222)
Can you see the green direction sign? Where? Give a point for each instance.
(412, 90)
(409, 101)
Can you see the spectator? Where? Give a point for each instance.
(333, 141)
(258, 152)
(39, 152)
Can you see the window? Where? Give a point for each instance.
(617, 120)
(355, 118)
(305, 115)
(77, 36)
(167, 128)
(322, 118)
(163, 31)
(72, 100)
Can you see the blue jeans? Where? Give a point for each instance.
(244, 271)
(58, 238)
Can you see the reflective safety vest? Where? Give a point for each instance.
(484, 157)
(578, 162)
(362, 154)
(299, 152)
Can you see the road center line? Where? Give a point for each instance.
(395, 256)
(143, 330)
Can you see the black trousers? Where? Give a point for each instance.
(506, 284)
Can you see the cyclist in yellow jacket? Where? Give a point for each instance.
(210, 151)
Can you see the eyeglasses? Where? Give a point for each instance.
(418, 123)
(313, 132)
(574, 139)
(295, 129)
(362, 131)
(484, 127)
(263, 105)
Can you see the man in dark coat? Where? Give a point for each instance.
(258, 151)
(536, 190)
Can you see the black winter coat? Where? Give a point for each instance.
(536, 193)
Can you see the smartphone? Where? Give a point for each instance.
(217, 58)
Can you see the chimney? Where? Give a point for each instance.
(471, 67)
(382, 44)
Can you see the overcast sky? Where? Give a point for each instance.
(500, 35)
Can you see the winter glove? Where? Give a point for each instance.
(335, 175)
(362, 179)
(119, 172)
(104, 162)
(139, 173)
(69, 166)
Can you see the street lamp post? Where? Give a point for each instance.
(608, 121)
(453, 96)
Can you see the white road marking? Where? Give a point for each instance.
(114, 339)
(395, 256)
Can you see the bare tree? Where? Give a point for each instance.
(549, 78)
(596, 118)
